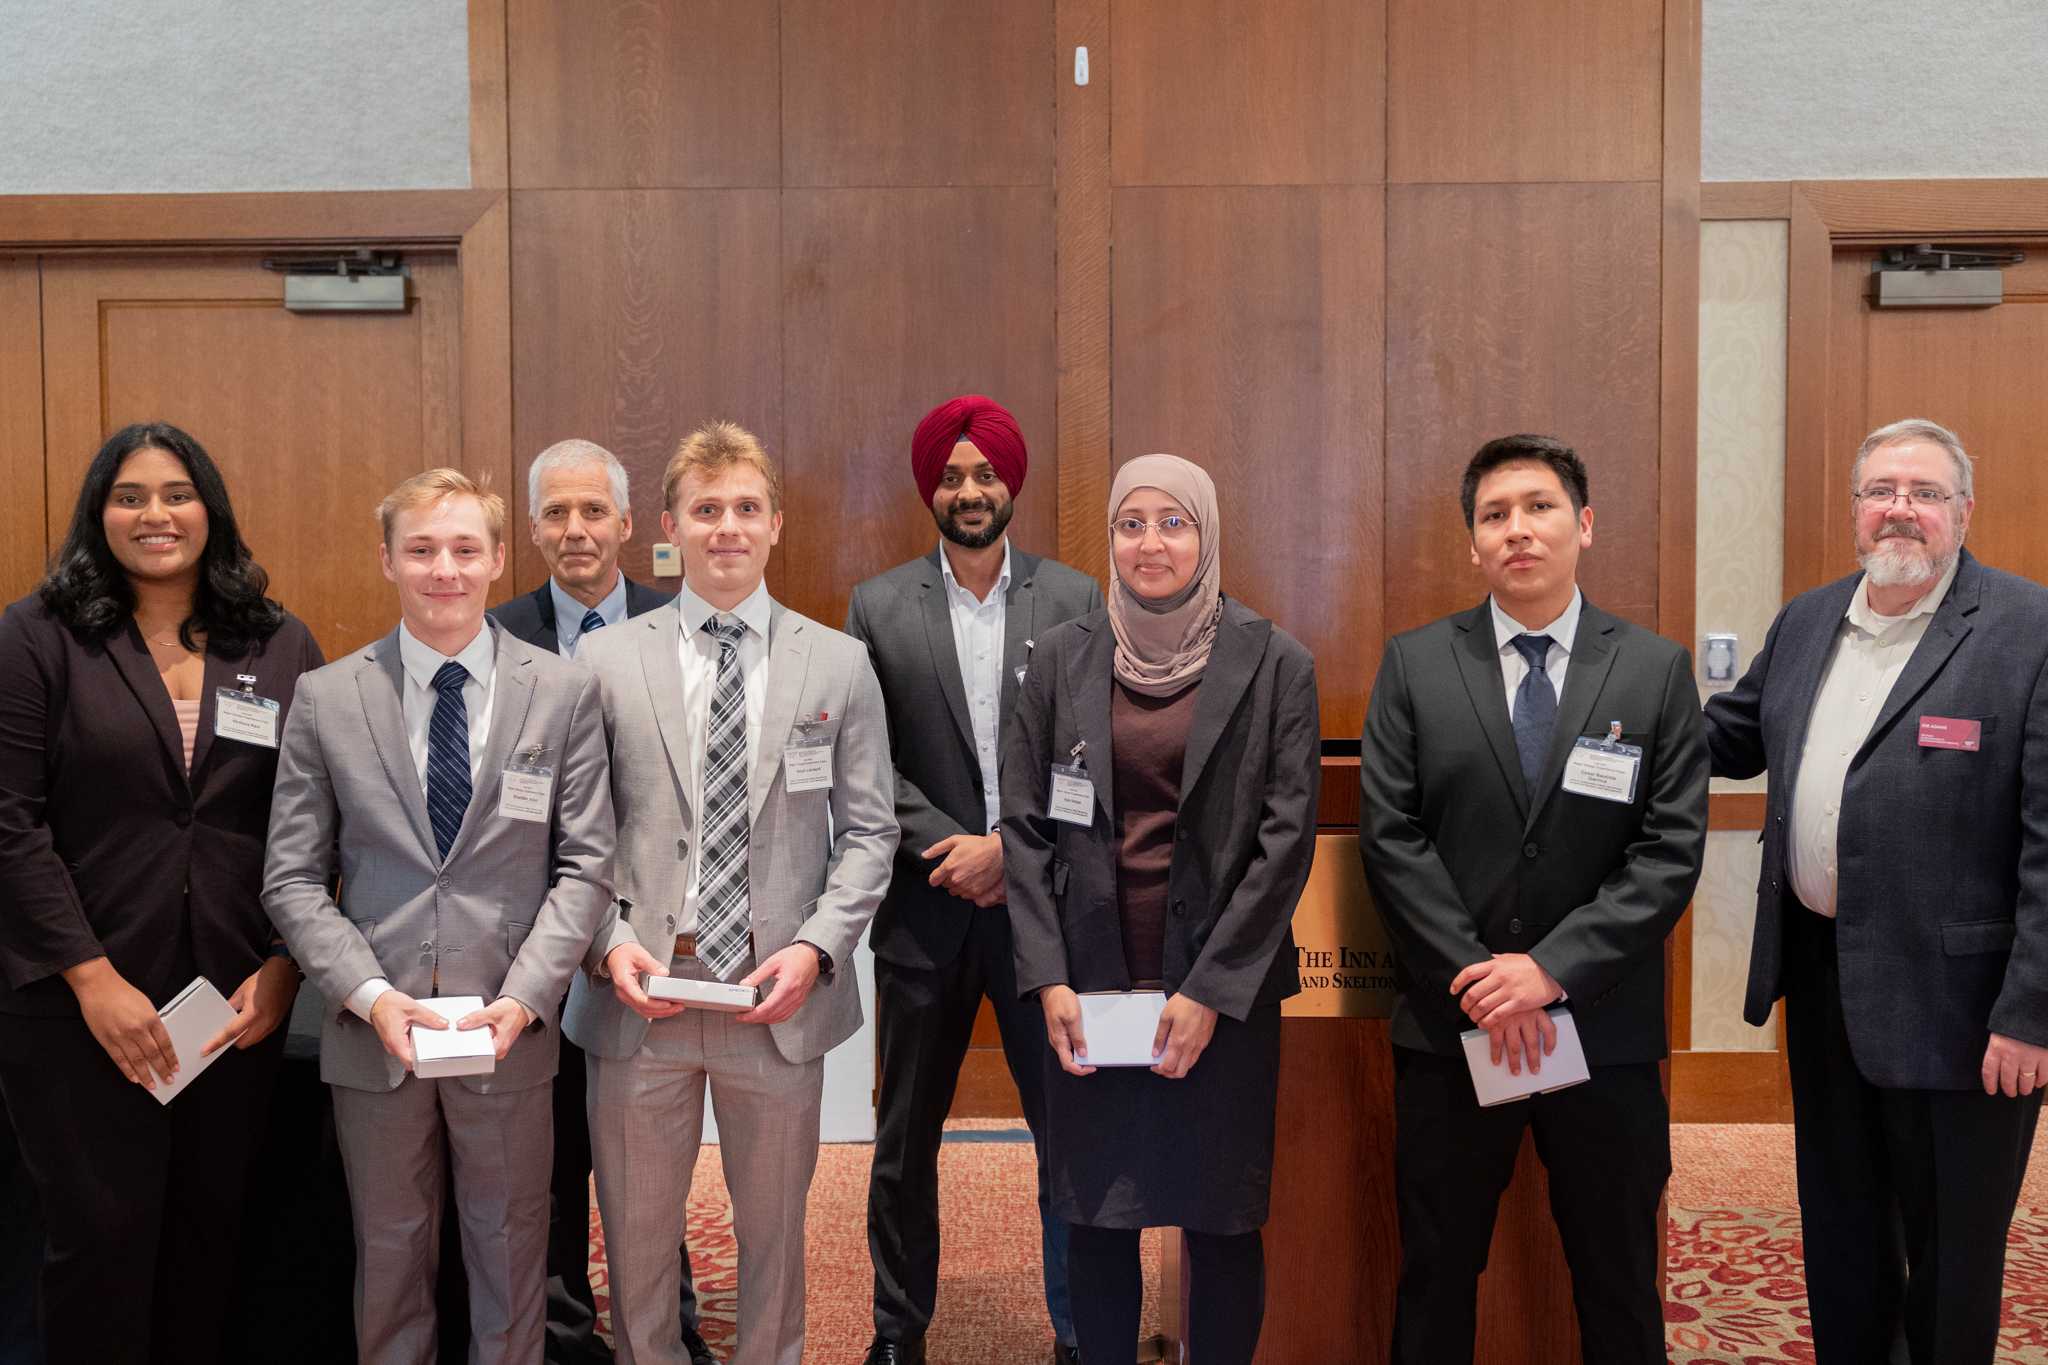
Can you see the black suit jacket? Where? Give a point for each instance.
(903, 618)
(102, 831)
(1941, 854)
(1244, 840)
(1462, 865)
(531, 616)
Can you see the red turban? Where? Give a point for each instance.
(983, 421)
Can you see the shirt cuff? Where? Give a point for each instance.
(362, 997)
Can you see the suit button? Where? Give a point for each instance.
(1528, 850)
(184, 818)
(1514, 926)
(682, 848)
(446, 882)
(1177, 906)
(1181, 833)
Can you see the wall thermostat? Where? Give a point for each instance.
(667, 562)
(1717, 660)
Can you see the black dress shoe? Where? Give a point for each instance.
(696, 1350)
(882, 1351)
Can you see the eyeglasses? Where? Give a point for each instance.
(1923, 499)
(1170, 528)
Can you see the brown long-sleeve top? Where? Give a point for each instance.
(1149, 737)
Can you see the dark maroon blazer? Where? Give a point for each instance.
(101, 831)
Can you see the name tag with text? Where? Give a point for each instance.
(242, 715)
(1073, 795)
(1940, 732)
(1603, 769)
(807, 765)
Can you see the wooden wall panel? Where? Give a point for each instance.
(642, 314)
(917, 92)
(1516, 308)
(620, 94)
(893, 301)
(23, 543)
(1081, 203)
(1247, 334)
(1559, 90)
(1249, 92)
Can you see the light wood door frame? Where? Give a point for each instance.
(474, 223)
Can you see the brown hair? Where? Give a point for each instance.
(712, 449)
(423, 490)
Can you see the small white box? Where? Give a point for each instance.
(1119, 1027)
(1496, 1085)
(193, 1015)
(451, 1051)
(701, 995)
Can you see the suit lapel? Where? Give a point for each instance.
(547, 637)
(789, 653)
(938, 634)
(511, 700)
(1948, 629)
(1090, 675)
(661, 666)
(380, 682)
(131, 656)
(219, 673)
(1233, 660)
(1592, 658)
(1479, 666)
(1018, 627)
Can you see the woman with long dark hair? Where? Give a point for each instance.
(142, 688)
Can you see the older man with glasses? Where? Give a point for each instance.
(1903, 908)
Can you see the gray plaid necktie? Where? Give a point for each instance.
(722, 919)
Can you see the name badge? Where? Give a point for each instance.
(807, 765)
(1940, 732)
(1073, 795)
(1604, 768)
(526, 790)
(238, 713)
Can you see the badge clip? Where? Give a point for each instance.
(248, 682)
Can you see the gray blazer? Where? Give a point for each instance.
(1247, 821)
(1942, 903)
(511, 910)
(817, 861)
(904, 619)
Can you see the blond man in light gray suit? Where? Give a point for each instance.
(413, 769)
(756, 813)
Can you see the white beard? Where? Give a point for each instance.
(1893, 565)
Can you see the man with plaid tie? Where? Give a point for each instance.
(456, 780)
(756, 819)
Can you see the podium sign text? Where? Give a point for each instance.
(1340, 950)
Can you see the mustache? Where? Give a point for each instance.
(1895, 529)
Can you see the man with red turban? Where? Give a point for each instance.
(951, 636)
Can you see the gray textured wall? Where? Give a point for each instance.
(1874, 89)
(104, 96)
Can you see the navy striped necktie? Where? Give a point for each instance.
(591, 621)
(448, 780)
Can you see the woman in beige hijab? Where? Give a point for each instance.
(1159, 803)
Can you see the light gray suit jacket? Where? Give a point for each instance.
(817, 861)
(512, 909)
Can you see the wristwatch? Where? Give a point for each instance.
(284, 951)
(824, 958)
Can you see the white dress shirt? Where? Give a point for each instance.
(978, 643)
(1514, 668)
(1870, 654)
(420, 663)
(697, 651)
(569, 614)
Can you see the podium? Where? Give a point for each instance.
(1333, 1246)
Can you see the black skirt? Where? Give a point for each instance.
(1126, 1148)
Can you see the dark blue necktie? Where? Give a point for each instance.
(591, 621)
(448, 757)
(1535, 709)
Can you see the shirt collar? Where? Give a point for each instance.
(569, 612)
(421, 662)
(1002, 588)
(1562, 631)
(1870, 623)
(754, 612)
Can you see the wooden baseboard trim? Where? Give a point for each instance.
(1730, 1087)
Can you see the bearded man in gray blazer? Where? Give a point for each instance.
(756, 816)
(456, 779)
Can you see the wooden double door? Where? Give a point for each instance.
(312, 417)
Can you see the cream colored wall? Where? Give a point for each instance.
(1740, 582)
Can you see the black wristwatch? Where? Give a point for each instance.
(824, 958)
(284, 951)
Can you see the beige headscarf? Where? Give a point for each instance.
(1162, 644)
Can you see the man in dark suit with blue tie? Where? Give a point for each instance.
(1510, 880)
(1902, 713)
(580, 515)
